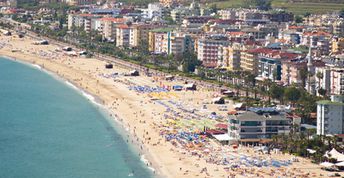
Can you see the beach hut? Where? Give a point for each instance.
(228, 93)
(222, 138)
(177, 87)
(82, 53)
(71, 53)
(239, 106)
(190, 86)
(7, 33)
(67, 48)
(169, 77)
(134, 73)
(108, 66)
(219, 100)
(42, 42)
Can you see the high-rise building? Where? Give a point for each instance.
(330, 116)
(208, 50)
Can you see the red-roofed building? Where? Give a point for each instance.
(270, 64)
(314, 36)
(296, 28)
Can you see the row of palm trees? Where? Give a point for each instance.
(297, 143)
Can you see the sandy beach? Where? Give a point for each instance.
(148, 116)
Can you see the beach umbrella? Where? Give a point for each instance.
(206, 150)
(311, 151)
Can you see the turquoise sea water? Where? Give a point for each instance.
(49, 130)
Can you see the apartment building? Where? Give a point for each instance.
(107, 26)
(230, 56)
(314, 37)
(169, 42)
(169, 3)
(338, 27)
(250, 59)
(227, 14)
(337, 45)
(330, 116)
(122, 35)
(257, 125)
(291, 71)
(86, 21)
(269, 68)
(270, 65)
(158, 40)
(77, 2)
(178, 14)
(195, 21)
(337, 81)
(154, 10)
(208, 49)
(139, 34)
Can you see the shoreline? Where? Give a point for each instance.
(95, 100)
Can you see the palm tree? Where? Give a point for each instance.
(237, 87)
(267, 84)
(320, 76)
(303, 75)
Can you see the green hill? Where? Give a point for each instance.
(298, 7)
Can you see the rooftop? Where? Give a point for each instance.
(250, 115)
(163, 30)
(328, 102)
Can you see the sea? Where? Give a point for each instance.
(49, 129)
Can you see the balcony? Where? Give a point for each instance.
(255, 131)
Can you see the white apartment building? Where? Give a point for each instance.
(257, 124)
(154, 10)
(86, 21)
(330, 116)
(227, 14)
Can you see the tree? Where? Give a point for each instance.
(307, 104)
(260, 4)
(307, 14)
(322, 92)
(214, 8)
(303, 75)
(292, 94)
(266, 88)
(190, 62)
(341, 13)
(277, 92)
(298, 19)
